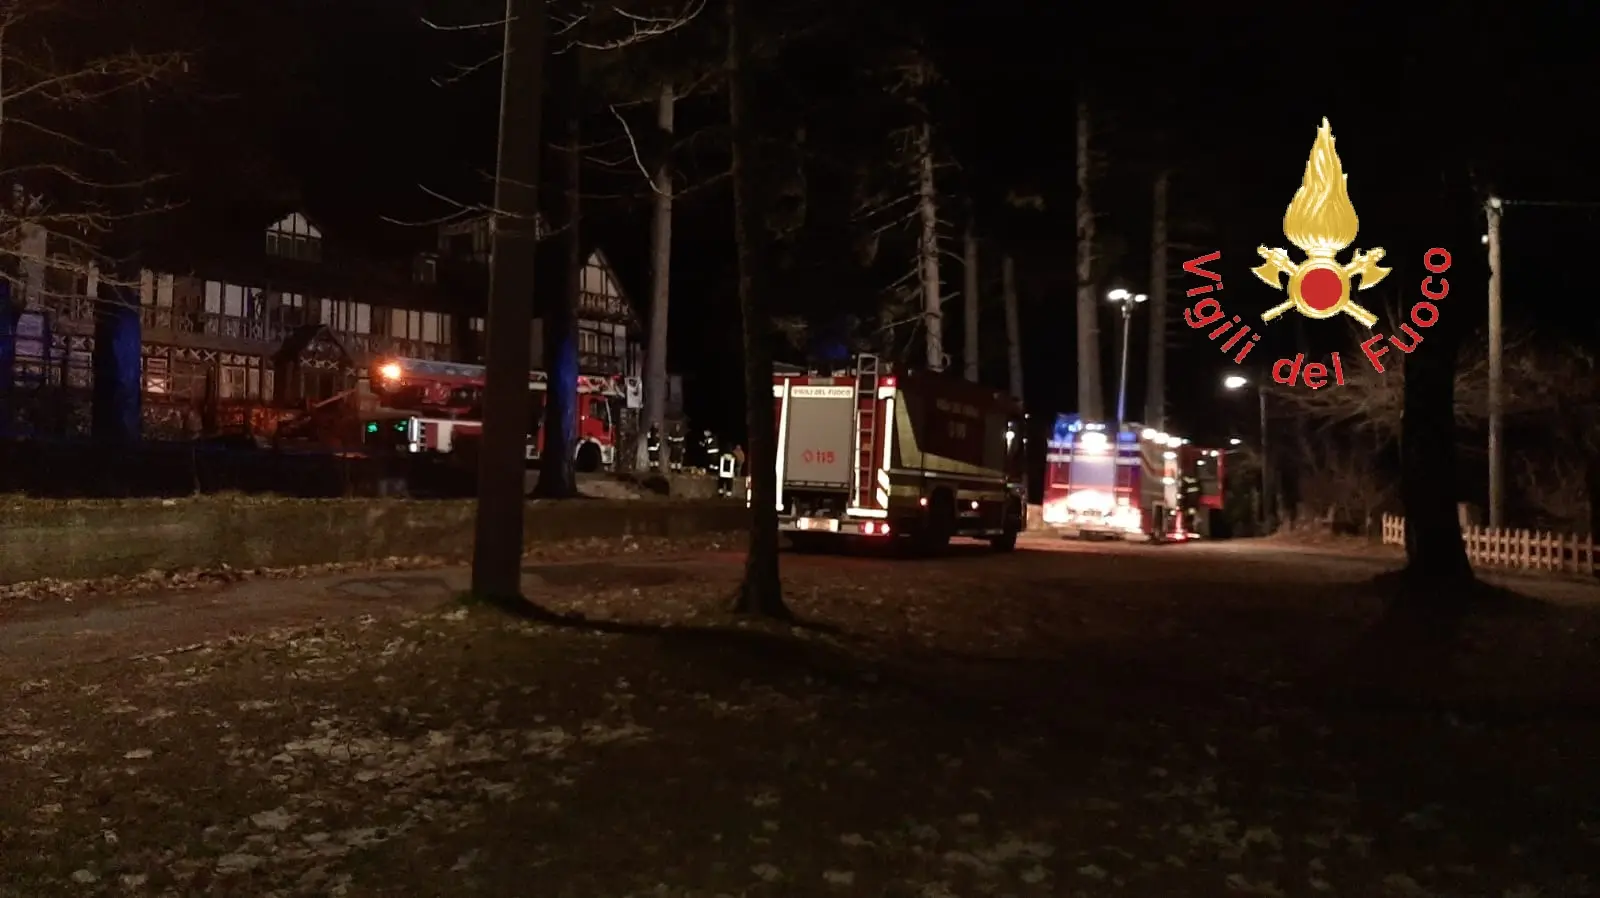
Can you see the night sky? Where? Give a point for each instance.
(1429, 114)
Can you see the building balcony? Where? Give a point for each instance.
(162, 323)
(599, 307)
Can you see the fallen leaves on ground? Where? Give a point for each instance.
(1046, 733)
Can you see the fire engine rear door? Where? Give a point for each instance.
(820, 437)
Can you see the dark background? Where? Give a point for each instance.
(1431, 113)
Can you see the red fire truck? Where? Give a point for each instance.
(871, 452)
(428, 406)
(1136, 483)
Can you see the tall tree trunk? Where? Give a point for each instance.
(557, 477)
(761, 593)
(1008, 292)
(928, 250)
(1435, 552)
(1155, 414)
(1091, 397)
(655, 357)
(497, 530)
(969, 259)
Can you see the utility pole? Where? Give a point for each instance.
(1494, 208)
(969, 254)
(497, 534)
(1155, 391)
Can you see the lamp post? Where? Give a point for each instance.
(1126, 301)
(1238, 382)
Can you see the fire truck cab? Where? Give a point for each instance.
(1135, 483)
(870, 452)
(431, 406)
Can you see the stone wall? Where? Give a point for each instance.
(102, 538)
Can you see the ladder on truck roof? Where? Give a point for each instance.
(866, 468)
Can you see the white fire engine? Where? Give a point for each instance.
(868, 452)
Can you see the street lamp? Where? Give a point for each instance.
(1238, 382)
(1126, 300)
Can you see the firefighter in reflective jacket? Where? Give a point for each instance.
(726, 467)
(708, 452)
(675, 448)
(652, 447)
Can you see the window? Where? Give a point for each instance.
(400, 324)
(430, 328)
(475, 325)
(427, 270)
(164, 291)
(363, 318)
(594, 277)
(294, 238)
(147, 288)
(233, 300)
(213, 297)
(233, 384)
(588, 343)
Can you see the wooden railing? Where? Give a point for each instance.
(1506, 548)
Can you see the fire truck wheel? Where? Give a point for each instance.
(588, 458)
(940, 524)
(1007, 540)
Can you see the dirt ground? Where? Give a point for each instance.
(1068, 720)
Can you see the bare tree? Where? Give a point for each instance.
(66, 187)
(557, 479)
(1091, 398)
(655, 355)
(497, 536)
(762, 590)
(1008, 292)
(969, 303)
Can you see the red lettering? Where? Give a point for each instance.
(1316, 375)
(1294, 369)
(1433, 314)
(1444, 288)
(1416, 339)
(1372, 350)
(1193, 266)
(1439, 268)
(1338, 370)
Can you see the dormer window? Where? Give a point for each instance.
(295, 238)
(426, 270)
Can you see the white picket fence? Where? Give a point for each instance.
(1506, 548)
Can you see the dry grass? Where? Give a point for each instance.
(1044, 724)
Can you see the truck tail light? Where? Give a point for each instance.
(875, 528)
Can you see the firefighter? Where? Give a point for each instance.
(652, 447)
(726, 466)
(708, 452)
(675, 448)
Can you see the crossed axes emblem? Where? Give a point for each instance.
(1363, 266)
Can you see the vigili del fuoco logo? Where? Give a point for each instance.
(1321, 222)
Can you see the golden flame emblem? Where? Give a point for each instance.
(1321, 221)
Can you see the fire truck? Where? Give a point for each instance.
(870, 452)
(1132, 483)
(432, 406)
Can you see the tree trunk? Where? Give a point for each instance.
(557, 477)
(1435, 552)
(1091, 398)
(969, 258)
(1155, 414)
(1008, 290)
(928, 250)
(655, 357)
(497, 531)
(761, 593)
